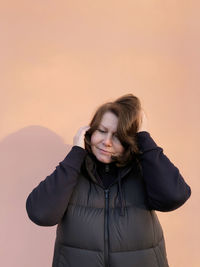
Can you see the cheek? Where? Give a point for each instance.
(94, 142)
(94, 139)
(120, 149)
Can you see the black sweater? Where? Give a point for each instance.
(165, 186)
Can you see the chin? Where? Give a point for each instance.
(103, 159)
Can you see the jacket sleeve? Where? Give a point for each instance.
(47, 203)
(166, 188)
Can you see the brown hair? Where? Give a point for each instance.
(127, 109)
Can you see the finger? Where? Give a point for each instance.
(83, 129)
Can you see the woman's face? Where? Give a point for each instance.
(104, 141)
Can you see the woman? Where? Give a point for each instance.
(104, 194)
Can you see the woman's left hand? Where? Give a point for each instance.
(143, 122)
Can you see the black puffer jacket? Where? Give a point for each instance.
(113, 227)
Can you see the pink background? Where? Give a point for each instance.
(59, 60)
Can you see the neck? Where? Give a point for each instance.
(105, 167)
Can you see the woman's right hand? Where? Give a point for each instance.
(80, 136)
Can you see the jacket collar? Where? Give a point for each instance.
(91, 165)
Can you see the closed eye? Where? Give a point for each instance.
(101, 131)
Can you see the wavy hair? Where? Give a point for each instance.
(127, 109)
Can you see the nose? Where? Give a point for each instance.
(107, 141)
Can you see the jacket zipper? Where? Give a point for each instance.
(106, 230)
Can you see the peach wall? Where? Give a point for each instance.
(59, 61)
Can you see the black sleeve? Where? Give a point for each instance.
(47, 203)
(166, 188)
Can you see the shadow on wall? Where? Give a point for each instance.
(27, 157)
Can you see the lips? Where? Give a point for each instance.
(105, 152)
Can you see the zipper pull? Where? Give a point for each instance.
(106, 193)
(107, 168)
